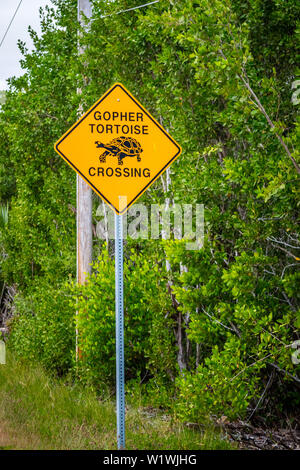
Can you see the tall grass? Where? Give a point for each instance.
(39, 412)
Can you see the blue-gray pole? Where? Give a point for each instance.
(120, 331)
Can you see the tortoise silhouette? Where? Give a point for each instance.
(121, 147)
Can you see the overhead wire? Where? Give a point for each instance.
(130, 9)
(106, 16)
(10, 23)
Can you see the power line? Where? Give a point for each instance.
(130, 9)
(7, 29)
(117, 13)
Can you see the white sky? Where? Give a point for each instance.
(28, 14)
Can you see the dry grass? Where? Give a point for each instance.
(12, 438)
(37, 412)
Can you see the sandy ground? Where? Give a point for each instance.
(255, 438)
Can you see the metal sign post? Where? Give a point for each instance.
(117, 147)
(119, 331)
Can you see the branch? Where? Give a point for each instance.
(264, 112)
(284, 371)
(256, 362)
(288, 266)
(262, 395)
(273, 239)
(271, 124)
(285, 251)
(217, 321)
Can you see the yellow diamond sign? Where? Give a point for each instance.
(118, 148)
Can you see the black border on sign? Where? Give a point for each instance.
(85, 178)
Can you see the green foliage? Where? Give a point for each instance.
(156, 392)
(242, 329)
(42, 329)
(218, 75)
(149, 345)
(41, 187)
(217, 388)
(40, 412)
(38, 241)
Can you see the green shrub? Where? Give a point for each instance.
(43, 328)
(243, 331)
(149, 347)
(216, 388)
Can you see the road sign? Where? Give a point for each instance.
(118, 148)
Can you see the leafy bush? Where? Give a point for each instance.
(243, 332)
(149, 347)
(216, 387)
(43, 329)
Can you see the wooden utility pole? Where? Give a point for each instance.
(84, 193)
